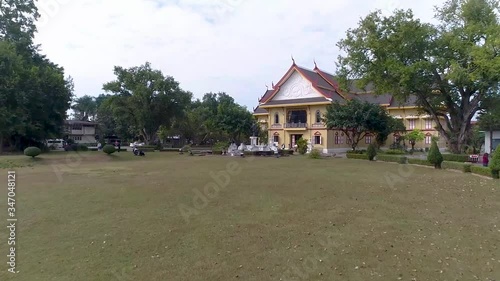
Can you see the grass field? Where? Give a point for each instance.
(177, 217)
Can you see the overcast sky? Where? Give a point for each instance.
(232, 46)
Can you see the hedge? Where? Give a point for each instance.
(357, 156)
(395, 152)
(464, 167)
(392, 158)
(362, 151)
(485, 171)
(417, 161)
(170, 149)
(456, 157)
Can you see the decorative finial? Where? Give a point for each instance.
(273, 84)
(315, 65)
(267, 87)
(293, 60)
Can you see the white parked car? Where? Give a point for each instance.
(132, 144)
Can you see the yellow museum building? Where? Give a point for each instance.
(295, 106)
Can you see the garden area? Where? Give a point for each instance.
(166, 216)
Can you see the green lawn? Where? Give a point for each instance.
(124, 218)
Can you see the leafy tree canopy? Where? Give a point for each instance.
(357, 119)
(147, 99)
(451, 67)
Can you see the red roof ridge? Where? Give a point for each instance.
(333, 83)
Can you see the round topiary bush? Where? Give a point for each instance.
(32, 151)
(435, 157)
(371, 152)
(495, 163)
(109, 149)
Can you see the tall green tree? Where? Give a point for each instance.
(34, 92)
(147, 98)
(85, 108)
(356, 119)
(392, 125)
(18, 22)
(451, 67)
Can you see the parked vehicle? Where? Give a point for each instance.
(55, 144)
(135, 144)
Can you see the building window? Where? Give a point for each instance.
(276, 118)
(428, 124)
(317, 139)
(76, 127)
(337, 140)
(318, 116)
(368, 139)
(348, 140)
(428, 139)
(276, 139)
(412, 124)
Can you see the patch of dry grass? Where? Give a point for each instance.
(127, 218)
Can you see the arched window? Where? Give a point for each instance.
(318, 116)
(276, 118)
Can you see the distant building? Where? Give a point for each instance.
(294, 107)
(81, 131)
(491, 140)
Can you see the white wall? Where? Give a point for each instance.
(487, 140)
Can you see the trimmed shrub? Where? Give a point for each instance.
(361, 151)
(32, 151)
(284, 152)
(455, 157)
(417, 161)
(395, 152)
(435, 157)
(392, 158)
(480, 170)
(315, 154)
(109, 149)
(82, 147)
(170, 149)
(495, 163)
(302, 146)
(464, 167)
(357, 156)
(371, 152)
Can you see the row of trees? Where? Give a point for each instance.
(144, 104)
(34, 92)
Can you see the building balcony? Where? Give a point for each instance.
(296, 125)
(276, 126)
(318, 125)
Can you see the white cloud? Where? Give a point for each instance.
(236, 46)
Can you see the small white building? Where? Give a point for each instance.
(81, 131)
(491, 140)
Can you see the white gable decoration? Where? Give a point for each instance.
(296, 87)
